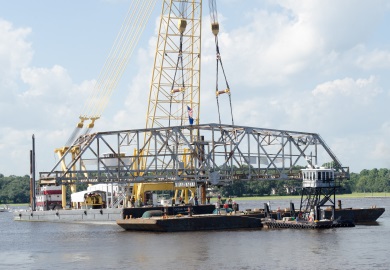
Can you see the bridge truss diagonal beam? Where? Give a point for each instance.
(212, 153)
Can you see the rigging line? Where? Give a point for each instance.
(213, 11)
(179, 57)
(216, 82)
(182, 28)
(170, 111)
(95, 94)
(122, 59)
(182, 77)
(219, 113)
(215, 31)
(226, 81)
(231, 108)
(183, 8)
(228, 87)
(220, 61)
(72, 136)
(119, 55)
(127, 38)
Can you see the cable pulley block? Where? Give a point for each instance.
(182, 25)
(215, 28)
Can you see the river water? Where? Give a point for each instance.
(42, 245)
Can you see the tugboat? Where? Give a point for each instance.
(49, 197)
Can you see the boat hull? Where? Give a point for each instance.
(73, 215)
(322, 224)
(357, 215)
(191, 223)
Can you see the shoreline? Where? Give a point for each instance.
(375, 195)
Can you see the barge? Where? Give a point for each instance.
(357, 215)
(178, 223)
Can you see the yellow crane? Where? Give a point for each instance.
(174, 97)
(175, 84)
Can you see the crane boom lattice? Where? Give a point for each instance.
(179, 36)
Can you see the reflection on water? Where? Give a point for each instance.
(35, 245)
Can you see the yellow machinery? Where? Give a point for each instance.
(93, 201)
(142, 191)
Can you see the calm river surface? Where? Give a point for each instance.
(41, 245)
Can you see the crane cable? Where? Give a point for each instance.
(136, 19)
(180, 89)
(181, 27)
(182, 24)
(215, 31)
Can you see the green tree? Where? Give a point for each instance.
(14, 189)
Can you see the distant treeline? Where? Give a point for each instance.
(16, 189)
(366, 181)
(370, 181)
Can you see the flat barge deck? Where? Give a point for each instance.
(222, 222)
(191, 223)
(358, 216)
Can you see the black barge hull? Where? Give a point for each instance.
(191, 223)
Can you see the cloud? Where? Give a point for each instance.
(268, 50)
(280, 46)
(296, 65)
(374, 59)
(15, 53)
(133, 100)
(15, 50)
(360, 90)
(335, 20)
(47, 108)
(44, 101)
(42, 81)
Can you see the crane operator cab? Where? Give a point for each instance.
(318, 177)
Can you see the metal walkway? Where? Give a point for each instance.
(212, 153)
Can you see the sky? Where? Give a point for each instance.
(309, 66)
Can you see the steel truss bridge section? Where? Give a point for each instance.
(213, 154)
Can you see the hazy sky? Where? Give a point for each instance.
(310, 65)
